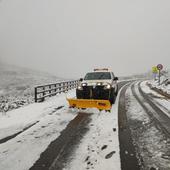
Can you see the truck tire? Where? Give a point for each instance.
(112, 96)
(116, 92)
(79, 94)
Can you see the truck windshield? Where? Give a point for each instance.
(97, 76)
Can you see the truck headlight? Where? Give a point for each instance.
(107, 87)
(84, 84)
(80, 87)
(99, 84)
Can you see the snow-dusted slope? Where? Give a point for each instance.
(17, 85)
(164, 82)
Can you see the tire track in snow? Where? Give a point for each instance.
(58, 152)
(151, 136)
(128, 155)
(16, 134)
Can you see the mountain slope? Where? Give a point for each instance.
(17, 85)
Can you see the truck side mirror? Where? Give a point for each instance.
(81, 79)
(116, 78)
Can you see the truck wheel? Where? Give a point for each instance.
(112, 97)
(116, 92)
(79, 94)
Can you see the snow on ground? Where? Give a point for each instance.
(163, 86)
(151, 145)
(162, 102)
(99, 148)
(21, 152)
(22, 117)
(147, 89)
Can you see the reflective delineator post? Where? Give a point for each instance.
(159, 77)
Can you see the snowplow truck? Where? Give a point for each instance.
(98, 90)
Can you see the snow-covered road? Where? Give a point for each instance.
(99, 148)
(147, 126)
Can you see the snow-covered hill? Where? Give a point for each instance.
(17, 85)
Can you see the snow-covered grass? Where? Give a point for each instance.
(99, 148)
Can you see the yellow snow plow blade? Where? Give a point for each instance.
(90, 103)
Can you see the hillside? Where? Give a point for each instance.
(17, 85)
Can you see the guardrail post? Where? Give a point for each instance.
(43, 98)
(67, 86)
(35, 94)
(70, 86)
(49, 90)
(59, 87)
(55, 86)
(64, 87)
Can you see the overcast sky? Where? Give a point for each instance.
(71, 37)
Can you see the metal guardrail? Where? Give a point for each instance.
(48, 90)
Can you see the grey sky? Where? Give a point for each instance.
(71, 37)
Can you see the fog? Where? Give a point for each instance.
(70, 37)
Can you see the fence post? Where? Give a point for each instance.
(43, 98)
(35, 95)
(70, 85)
(67, 86)
(55, 86)
(50, 90)
(59, 88)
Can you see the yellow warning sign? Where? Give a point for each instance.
(154, 69)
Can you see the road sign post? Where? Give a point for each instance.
(159, 67)
(159, 75)
(155, 72)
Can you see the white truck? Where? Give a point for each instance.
(98, 90)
